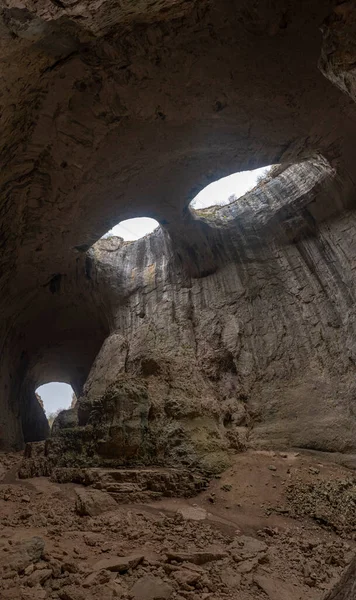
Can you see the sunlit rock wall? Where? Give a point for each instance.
(259, 351)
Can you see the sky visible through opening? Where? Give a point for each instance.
(133, 229)
(219, 192)
(216, 193)
(55, 396)
(59, 395)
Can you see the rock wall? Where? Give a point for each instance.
(34, 422)
(257, 350)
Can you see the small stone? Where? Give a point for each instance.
(247, 566)
(92, 539)
(72, 593)
(186, 577)
(226, 487)
(69, 567)
(272, 467)
(230, 578)
(96, 578)
(29, 569)
(248, 547)
(314, 470)
(25, 498)
(39, 577)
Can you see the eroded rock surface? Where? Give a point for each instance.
(238, 550)
(258, 352)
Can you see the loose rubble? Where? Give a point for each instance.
(68, 542)
(331, 503)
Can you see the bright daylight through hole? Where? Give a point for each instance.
(55, 397)
(133, 229)
(228, 188)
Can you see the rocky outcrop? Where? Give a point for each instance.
(210, 364)
(338, 56)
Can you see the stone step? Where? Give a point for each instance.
(118, 488)
(131, 497)
(134, 484)
(145, 483)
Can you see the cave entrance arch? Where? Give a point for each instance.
(54, 397)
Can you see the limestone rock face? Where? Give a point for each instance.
(199, 367)
(337, 61)
(121, 416)
(258, 351)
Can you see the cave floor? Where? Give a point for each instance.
(275, 525)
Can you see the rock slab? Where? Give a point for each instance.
(93, 502)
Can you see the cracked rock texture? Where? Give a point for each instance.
(225, 327)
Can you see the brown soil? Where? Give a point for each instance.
(253, 534)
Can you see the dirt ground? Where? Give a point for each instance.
(277, 526)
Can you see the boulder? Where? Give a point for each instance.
(275, 589)
(93, 502)
(151, 588)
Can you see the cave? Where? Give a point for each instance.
(224, 330)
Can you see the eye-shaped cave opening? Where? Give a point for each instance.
(229, 189)
(134, 229)
(54, 397)
(280, 200)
